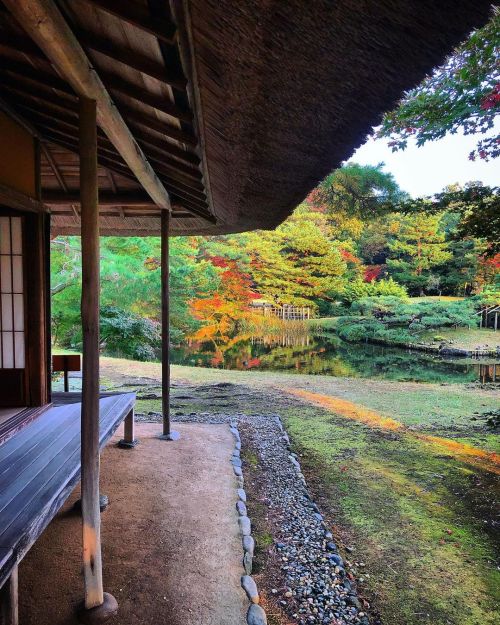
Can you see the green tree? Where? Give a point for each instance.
(297, 263)
(463, 94)
(418, 245)
(356, 192)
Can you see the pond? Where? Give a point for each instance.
(329, 355)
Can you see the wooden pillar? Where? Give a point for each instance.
(94, 605)
(167, 433)
(129, 440)
(9, 613)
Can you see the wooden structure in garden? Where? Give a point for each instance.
(489, 317)
(144, 117)
(283, 311)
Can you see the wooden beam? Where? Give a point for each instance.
(67, 115)
(116, 83)
(38, 76)
(133, 59)
(56, 198)
(153, 123)
(45, 80)
(103, 160)
(165, 323)
(134, 14)
(15, 199)
(91, 516)
(43, 21)
(54, 167)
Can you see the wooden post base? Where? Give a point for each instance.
(103, 504)
(173, 436)
(123, 444)
(99, 614)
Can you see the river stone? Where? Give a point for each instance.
(245, 525)
(241, 481)
(236, 453)
(256, 615)
(250, 587)
(242, 495)
(237, 445)
(249, 544)
(247, 563)
(242, 509)
(237, 471)
(236, 461)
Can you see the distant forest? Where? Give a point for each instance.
(357, 235)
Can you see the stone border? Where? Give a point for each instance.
(255, 614)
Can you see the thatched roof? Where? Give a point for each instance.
(240, 107)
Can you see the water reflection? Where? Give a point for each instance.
(320, 355)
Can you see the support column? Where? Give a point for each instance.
(97, 605)
(167, 434)
(9, 612)
(129, 440)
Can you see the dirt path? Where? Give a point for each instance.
(171, 549)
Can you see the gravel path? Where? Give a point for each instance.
(315, 589)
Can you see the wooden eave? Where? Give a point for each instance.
(134, 52)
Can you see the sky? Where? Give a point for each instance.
(427, 169)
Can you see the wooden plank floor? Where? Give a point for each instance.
(40, 466)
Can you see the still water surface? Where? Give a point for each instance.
(329, 355)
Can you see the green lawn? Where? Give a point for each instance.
(465, 338)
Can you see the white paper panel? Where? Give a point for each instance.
(8, 351)
(6, 312)
(17, 241)
(18, 313)
(17, 266)
(5, 275)
(4, 235)
(19, 346)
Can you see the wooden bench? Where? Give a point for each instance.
(39, 468)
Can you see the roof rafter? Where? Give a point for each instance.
(132, 59)
(48, 28)
(134, 14)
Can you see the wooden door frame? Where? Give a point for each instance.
(36, 304)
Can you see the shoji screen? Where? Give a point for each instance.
(12, 350)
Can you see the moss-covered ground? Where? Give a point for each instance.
(405, 472)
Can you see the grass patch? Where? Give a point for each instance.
(410, 511)
(463, 338)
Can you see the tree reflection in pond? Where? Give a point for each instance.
(319, 355)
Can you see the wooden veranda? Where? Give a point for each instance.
(157, 118)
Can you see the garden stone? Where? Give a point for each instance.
(250, 587)
(237, 471)
(236, 462)
(241, 481)
(242, 495)
(249, 544)
(256, 615)
(242, 509)
(245, 525)
(247, 563)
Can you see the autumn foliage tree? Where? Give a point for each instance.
(463, 94)
(221, 314)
